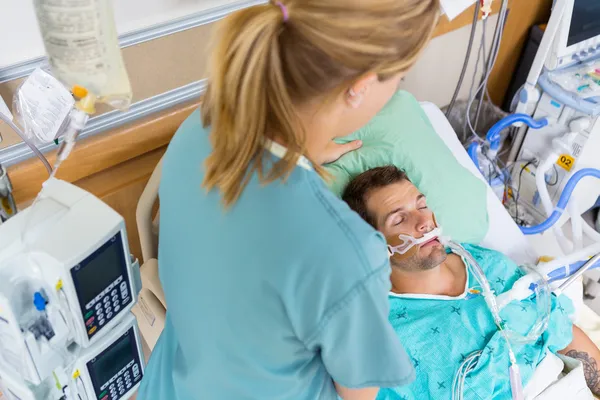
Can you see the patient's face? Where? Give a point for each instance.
(400, 208)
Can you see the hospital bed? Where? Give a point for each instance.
(503, 235)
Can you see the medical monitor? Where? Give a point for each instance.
(585, 22)
(102, 284)
(116, 370)
(578, 36)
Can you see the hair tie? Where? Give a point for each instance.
(284, 11)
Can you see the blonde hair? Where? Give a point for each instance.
(263, 66)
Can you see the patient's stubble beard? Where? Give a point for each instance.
(418, 262)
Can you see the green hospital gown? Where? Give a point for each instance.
(438, 332)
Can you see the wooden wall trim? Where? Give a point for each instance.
(101, 152)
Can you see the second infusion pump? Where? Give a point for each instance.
(67, 285)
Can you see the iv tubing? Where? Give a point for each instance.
(562, 202)
(466, 61)
(33, 148)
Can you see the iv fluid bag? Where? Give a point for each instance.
(83, 48)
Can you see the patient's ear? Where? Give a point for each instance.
(356, 93)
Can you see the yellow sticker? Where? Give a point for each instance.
(565, 161)
(545, 259)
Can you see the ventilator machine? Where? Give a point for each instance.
(563, 89)
(555, 174)
(554, 178)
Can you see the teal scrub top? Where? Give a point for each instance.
(274, 298)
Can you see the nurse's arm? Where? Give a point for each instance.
(583, 349)
(356, 394)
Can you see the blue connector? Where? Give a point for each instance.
(39, 301)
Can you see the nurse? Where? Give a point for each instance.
(274, 288)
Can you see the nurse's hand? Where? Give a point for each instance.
(334, 151)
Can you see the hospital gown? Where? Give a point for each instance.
(438, 332)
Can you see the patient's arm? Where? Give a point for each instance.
(583, 349)
(356, 394)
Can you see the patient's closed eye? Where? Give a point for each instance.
(397, 220)
(422, 203)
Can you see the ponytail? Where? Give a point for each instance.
(262, 66)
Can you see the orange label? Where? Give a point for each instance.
(566, 162)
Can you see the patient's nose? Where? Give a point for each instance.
(424, 224)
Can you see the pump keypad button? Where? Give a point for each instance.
(107, 305)
(122, 382)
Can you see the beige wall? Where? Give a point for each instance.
(436, 74)
(154, 67)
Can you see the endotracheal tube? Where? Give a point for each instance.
(542, 294)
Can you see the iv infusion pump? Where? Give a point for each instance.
(67, 286)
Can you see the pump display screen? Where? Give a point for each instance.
(102, 284)
(113, 360)
(100, 270)
(116, 370)
(585, 22)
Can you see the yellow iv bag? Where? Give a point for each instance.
(83, 48)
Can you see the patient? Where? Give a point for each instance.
(441, 318)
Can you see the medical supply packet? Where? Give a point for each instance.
(42, 105)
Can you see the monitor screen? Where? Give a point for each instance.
(585, 22)
(99, 270)
(115, 358)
